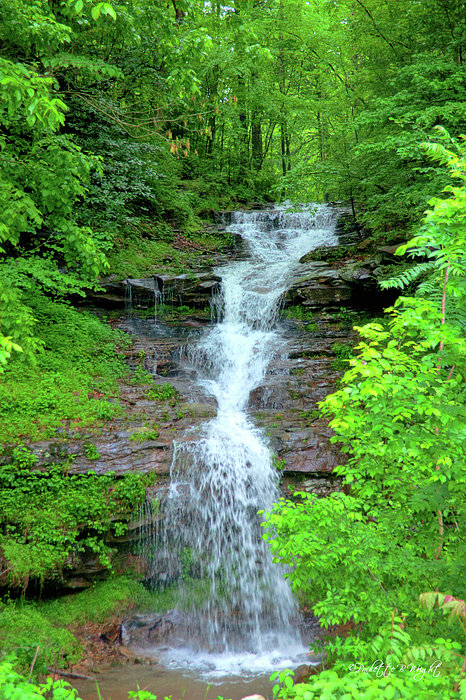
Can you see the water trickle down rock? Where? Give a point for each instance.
(221, 478)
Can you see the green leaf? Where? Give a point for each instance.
(108, 10)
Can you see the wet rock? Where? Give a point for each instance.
(116, 453)
(366, 243)
(302, 673)
(317, 285)
(124, 651)
(317, 295)
(319, 485)
(271, 395)
(81, 570)
(300, 448)
(285, 404)
(356, 274)
(318, 457)
(153, 629)
(347, 228)
(190, 289)
(388, 252)
(194, 290)
(310, 257)
(110, 632)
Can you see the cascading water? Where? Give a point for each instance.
(221, 478)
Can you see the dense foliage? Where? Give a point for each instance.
(52, 625)
(49, 518)
(122, 123)
(74, 380)
(394, 542)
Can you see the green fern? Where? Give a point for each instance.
(408, 276)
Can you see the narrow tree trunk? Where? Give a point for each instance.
(179, 14)
(283, 145)
(256, 142)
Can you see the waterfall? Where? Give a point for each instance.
(223, 476)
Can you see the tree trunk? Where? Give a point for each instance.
(256, 140)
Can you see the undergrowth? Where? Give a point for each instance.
(140, 256)
(342, 352)
(74, 382)
(52, 625)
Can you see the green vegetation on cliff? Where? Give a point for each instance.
(72, 382)
(122, 126)
(54, 626)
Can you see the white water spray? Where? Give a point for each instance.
(223, 477)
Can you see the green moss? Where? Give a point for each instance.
(143, 434)
(162, 392)
(342, 353)
(24, 626)
(96, 604)
(140, 256)
(53, 625)
(74, 383)
(332, 253)
(299, 313)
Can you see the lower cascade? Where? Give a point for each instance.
(236, 607)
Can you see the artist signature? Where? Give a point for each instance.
(381, 669)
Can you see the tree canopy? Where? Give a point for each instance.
(115, 114)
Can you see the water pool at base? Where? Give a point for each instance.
(115, 683)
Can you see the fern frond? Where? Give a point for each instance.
(429, 288)
(405, 278)
(455, 310)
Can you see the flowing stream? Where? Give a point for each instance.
(239, 614)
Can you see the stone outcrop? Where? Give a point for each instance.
(284, 405)
(351, 282)
(192, 289)
(317, 286)
(153, 629)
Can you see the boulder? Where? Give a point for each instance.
(153, 629)
(193, 289)
(389, 251)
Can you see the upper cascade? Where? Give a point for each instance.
(286, 216)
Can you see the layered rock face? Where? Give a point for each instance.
(329, 297)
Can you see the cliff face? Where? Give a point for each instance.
(162, 400)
